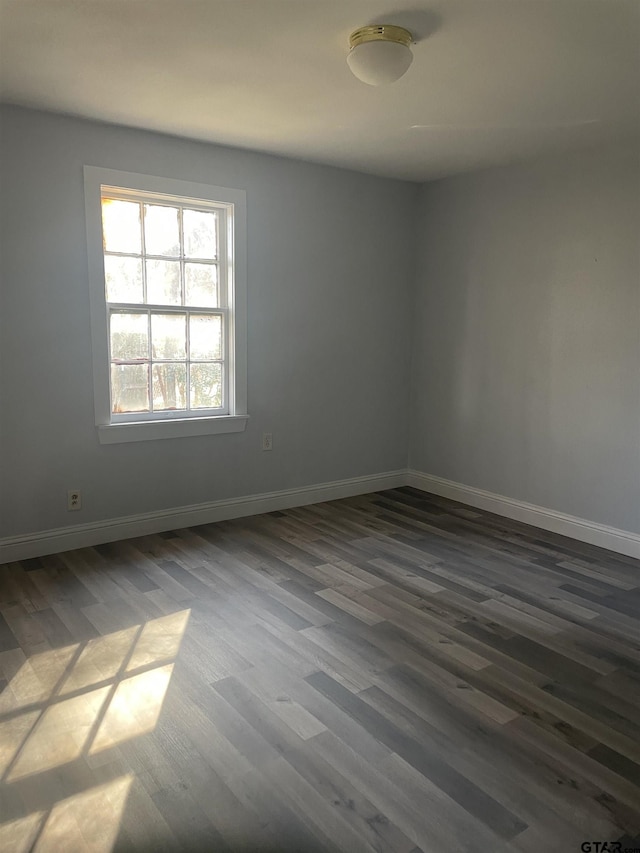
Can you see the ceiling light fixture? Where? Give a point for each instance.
(379, 54)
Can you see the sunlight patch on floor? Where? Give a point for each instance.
(86, 822)
(65, 705)
(60, 734)
(18, 835)
(13, 732)
(100, 660)
(134, 709)
(159, 641)
(36, 679)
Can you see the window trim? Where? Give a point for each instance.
(115, 431)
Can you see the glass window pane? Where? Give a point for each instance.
(161, 230)
(129, 388)
(206, 386)
(169, 335)
(129, 337)
(201, 285)
(163, 283)
(200, 234)
(121, 226)
(205, 336)
(169, 386)
(123, 277)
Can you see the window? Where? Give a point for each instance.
(168, 306)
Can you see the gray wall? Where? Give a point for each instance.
(526, 341)
(526, 350)
(329, 271)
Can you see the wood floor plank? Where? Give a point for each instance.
(423, 758)
(393, 672)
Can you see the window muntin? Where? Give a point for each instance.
(166, 275)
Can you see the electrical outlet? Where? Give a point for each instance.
(74, 499)
(267, 441)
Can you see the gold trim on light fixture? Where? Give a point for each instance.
(380, 32)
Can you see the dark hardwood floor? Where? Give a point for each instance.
(394, 672)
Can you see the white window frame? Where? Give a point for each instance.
(114, 428)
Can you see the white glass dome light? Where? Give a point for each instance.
(379, 54)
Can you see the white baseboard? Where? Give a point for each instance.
(621, 541)
(97, 533)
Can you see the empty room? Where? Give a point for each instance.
(320, 426)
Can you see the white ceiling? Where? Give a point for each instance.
(491, 80)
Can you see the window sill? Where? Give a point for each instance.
(179, 428)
